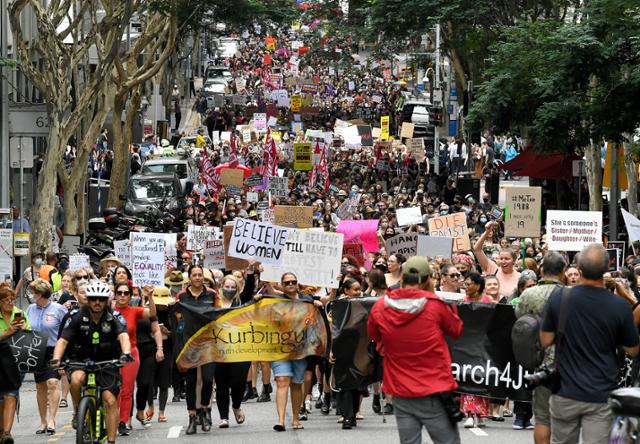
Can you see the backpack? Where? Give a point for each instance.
(525, 340)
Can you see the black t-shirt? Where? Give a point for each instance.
(597, 322)
(88, 340)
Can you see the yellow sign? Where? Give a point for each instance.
(296, 103)
(21, 244)
(302, 156)
(384, 127)
(609, 165)
(272, 329)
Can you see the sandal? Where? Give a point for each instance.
(41, 431)
(239, 414)
(507, 413)
(279, 428)
(298, 426)
(149, 414)
(359, 416)
(63, 403)
(162, 418)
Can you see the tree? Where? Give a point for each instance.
(68, 96)
(566, 85)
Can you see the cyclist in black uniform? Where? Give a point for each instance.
(96, 333)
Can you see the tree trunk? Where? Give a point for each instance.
(594, 176)
(632, 178)
(42, 216)
(120, 155)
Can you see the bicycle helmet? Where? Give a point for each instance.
(98, 289)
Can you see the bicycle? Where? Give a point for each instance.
(625, 404)
(90, 416)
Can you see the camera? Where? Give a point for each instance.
(544, 375)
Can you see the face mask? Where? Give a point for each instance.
(64, 264)
(483, 220)
(384, 225)
(232, 215)
(176, 288)
(444, 212)
(381, 267)
(38, 262)
(228, 293)
(485, 200)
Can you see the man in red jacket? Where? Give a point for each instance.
(409, 325)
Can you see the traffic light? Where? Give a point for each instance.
(435, 116)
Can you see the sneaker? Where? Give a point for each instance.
(469, 423)
(7, 438)
(479, 422)
(223, 424)
(264, 397)
(518, 424)
(318, 404)
(315, 392)
(388, 409)
(528, 425)
(307, 405)
(122, 429)
(302, 416)
(375, 406)
(176, 398)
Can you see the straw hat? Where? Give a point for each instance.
(162, 296)
(176, 278)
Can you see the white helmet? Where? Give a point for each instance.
(98, 289)
(164, 142)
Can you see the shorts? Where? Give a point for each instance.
(293, 369)
(12, 393)
(109, 380)
(541, 397)
(48, 372)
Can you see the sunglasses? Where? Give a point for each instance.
(86, 276)
(290, 283)
(96, 299)
(454, 275)
(123, 293)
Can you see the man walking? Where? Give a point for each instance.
(409, 326)
(597, 321)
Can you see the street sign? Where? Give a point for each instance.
(578, 168)
(26, 145)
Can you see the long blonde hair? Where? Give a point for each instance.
(239, 287)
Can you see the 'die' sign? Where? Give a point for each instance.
(258, 241)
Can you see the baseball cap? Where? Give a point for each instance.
(418, 267)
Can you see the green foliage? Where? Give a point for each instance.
(11, 63)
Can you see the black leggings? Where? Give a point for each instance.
(162, 380)
(349, 402)
(230, 377)
(144, 380)
(207, 385)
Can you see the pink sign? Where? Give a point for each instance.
(366, 231)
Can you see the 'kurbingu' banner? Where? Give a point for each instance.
(272, 329)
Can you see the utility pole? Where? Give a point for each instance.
(436, 142)
(4, 108)
(613, 193)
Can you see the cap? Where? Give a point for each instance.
(418, 267)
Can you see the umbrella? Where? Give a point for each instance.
(246, 170)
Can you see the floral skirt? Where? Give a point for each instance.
(476, 405)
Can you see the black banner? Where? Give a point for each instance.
(28, 349)
(482, 358)
(9, 376)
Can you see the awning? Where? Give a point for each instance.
(552, 166)
(520, 161)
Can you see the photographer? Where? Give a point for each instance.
(597, 321)
(532, 302)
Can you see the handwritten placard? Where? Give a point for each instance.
(148, 258)
(198, 234)
(78, 261)
(231, 176)
(522, 211)
(255, 240)
(279, 186)
(122, 250)
(452, 225)
(294, 217)
(214, 254)
(28, 348)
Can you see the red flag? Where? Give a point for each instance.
(313, 178)
(266, 154)
(233, 154)
(273, 159)
(210, 176)
(323, 168)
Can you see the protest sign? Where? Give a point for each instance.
(278, 186)
(365, 133)
(302, 156)
(355, 250)
(6, 254)
(269, 216)
(366, 231)
(231, 263)
(253, 196)
(258, 241)
(633, 225)
(314, 256)
(407, 130)
(296, 103)
(294, 216)
(297, 127)
(21, 244)
(416, 146)
(198, 234)
(231, 176)
(405, 244)
(254, 180)
(384, 127)
(122, 250)
(613, 255)
(271, 329)
(214, 254)
(452, 225)
(78, 261)
(375, 133)
(573, 230)
(260, 121)
(523, 211)
(409, 216)
(170, 250)
(147, 258)
(435, 246)
(28, 348)
(348, 208)
(622, 246)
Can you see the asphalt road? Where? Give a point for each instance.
(257, 428)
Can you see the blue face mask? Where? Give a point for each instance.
(444, 212)
(483, 220)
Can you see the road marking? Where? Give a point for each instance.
(66, 426)
(478, 432)
(53, 439)
(174, 432)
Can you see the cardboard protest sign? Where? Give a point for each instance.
(147, 258)
(122, 250)
(407, 130)
(452, 225)
(231, 176)
(293, 216)
(405, 244)
(409, 216)
(348, 208)
(416, 146)
(384, 127)
(214, 254)
(435, 246)
(573, 230)
(262, 242)
(375, 132)
(197, 235)
(278, 186)
(315, 257)
(231, 263)
(302, 156)
(523, 212)
(78, 261)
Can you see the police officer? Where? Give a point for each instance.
(96, 333)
